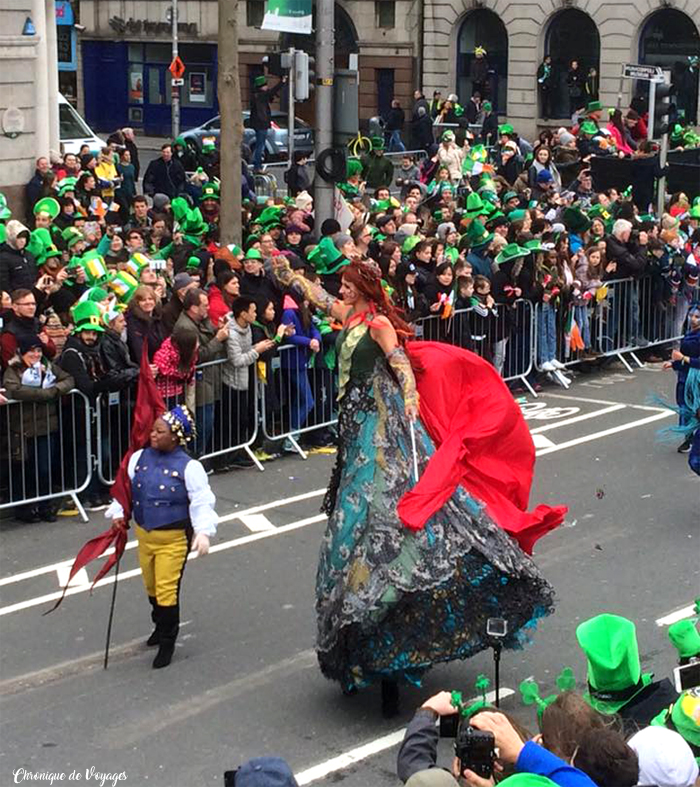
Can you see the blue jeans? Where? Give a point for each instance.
(584, 325)
(546, 334)
(204, 418)
(260, 140)
(395, 142)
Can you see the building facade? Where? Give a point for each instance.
(602, 35)
(28, 92)
(126, 50)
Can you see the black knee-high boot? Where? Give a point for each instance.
(154, 639)
(169, 624)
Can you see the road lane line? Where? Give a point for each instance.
(540, 441)
(576, 419)
(605, 433)
(36, 572)
(235, 542)
(674, 617)
(257, 523)
(603, 401)
(369, 749)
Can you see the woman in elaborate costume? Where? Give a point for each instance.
(408, 575)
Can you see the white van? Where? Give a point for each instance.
(74, 131)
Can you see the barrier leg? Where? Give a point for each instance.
(297, 447)
(623, 360)
(79, 506)
(255, 459)
(526, 383)
(639, 363)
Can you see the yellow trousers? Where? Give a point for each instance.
(162, 557)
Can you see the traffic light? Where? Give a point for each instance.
(660, 110)
(304, 75)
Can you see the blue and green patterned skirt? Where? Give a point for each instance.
(392, 602)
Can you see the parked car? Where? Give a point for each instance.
(73, 131)
(276, 149)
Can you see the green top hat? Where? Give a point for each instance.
(193, 262)
(253, 254)
(685, 638)
(271, 215)
(260, 81)
(47, 205)
(588, 127)
(39, 239)
(210, 191)
(123, 285)
(614, 672)
(599, 212)
(331, 258)
(194, 225)
(5, 212)
(511, 252)
(477, 235)
(681, 717)
(94, 266)
(576, 221)
(377, 143)
(66, 185)
(353, 167)
(87, 316)
(495, 218)
(137, 262)
(506, 128)
(475, 206)
(534, 246)
(71, 236)
(180, 209)
(593, 106)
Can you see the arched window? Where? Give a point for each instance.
(483, 28)
(670, 39)
(572, 35)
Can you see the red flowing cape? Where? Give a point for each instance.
(482, 443)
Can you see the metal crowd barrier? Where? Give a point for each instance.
(220, 428)
(45, 451)
(505, 338)
(298, 398)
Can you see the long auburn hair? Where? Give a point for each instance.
(367, 280)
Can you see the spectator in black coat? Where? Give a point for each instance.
(130, 145)
(164, 175)
(261, 115)
(35, 185)
(17, 266)
(629, 255)
(422, 130)
(297, 176)
(394, 126)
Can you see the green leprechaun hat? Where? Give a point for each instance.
(477, 235)
(327, 258)
(576, 221)
(377, 143)
(259, 81)
(211, 191)
(683, 717)
(588, 127)
(123, 285)
(87, 316)
(96, 271)
(137, 262)
(474, 207)
(180, 208)
(511, 252)
(534, 246)
(47, 205)
(193, 263)
(614, 672)
(39, 239)
(685, 637)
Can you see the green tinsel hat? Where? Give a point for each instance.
(530, 691)
(87, 316)
(614, 671)
(5, 212)
(353, 167)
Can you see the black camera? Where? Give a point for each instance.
(475, 750)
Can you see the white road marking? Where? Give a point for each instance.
(674, 617)
(81, 578)
(369, 749)
(578, 418)
(235, 542)
(605, 433)
(256, 523)
(604, 401)
(541, 441)
(36, 572)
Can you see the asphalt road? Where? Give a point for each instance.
(244, 681)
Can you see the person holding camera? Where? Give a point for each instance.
(485, 743)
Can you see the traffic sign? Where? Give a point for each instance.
(177, 68)
(636, 71)
(177, 82)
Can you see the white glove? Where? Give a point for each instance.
(200, 545)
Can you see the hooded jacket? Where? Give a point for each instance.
(17, 267)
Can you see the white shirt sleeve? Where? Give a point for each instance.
(115, 510)
(202, 500)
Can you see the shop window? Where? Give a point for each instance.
(385, 13)
(254, 12)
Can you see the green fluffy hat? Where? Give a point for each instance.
(614, 671)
